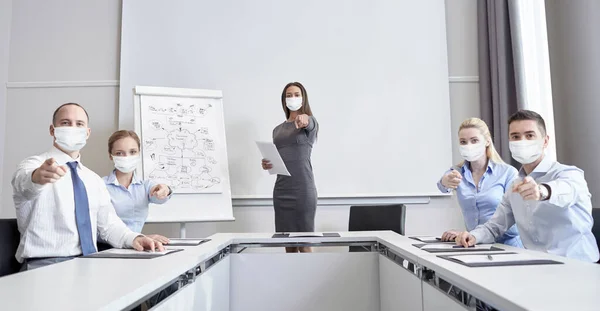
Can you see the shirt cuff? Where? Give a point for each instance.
(129, 239)
(442, 188)
(480, 236)
(560, 193)
(31, 185)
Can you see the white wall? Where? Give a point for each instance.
(5, 17)
(60, 52)
(461, 29)
(74, 46)
(574, 47)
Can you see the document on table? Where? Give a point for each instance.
(304, 234)
(186, 242)
(494, 258)
(427, 239)
(131, 253)
(457, 248)
(269, 152)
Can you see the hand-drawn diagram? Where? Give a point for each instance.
(180, 144)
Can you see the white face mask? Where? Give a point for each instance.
(526, 151)
(126, 164)
(293, 103)
(472, 152)
(70, 138)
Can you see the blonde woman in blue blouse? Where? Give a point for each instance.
(480, 180)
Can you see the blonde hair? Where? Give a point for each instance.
(490, 151)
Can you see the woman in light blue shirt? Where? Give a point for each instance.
(480, 180)
(131, 195)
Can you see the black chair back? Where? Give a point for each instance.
(376, 218)
(9, 242)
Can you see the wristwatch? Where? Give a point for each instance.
(544, 193)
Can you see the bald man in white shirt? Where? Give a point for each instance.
(62, 206)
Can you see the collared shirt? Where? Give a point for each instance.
(46, 213)
(561, 225)
(478, 203)
(131, 204)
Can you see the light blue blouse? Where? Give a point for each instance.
(131, 204)
(479, 204)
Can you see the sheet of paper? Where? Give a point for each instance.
(269, 151)
(305, 234)
(427, 238)
(455, 247)
(185, 241)
(484, 258)
(120, 251)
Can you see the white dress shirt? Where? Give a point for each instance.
(46, 213)
(561, 225)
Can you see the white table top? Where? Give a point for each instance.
(574, 285)
(113, 284)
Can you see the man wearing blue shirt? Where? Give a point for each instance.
(550, 202)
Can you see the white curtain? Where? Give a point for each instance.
(532, 63)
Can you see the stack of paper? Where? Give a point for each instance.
(130, 253)
(186, 242)
(427, 239)
(269, 152)
(122, 251)
(457, 248)
(305, 234)
(485, 258)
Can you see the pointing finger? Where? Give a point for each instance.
(528, 180)
(61, 170)
(525, 187)
(516, 185)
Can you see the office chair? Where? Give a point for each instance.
(376, 218)
(9, 242)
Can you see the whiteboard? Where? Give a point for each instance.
(376, 73)
(182, 133)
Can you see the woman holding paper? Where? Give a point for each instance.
(295, 196)
(480, 180)
(130, 195)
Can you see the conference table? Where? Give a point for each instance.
(249, 271)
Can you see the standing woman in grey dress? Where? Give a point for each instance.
(295, 196)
